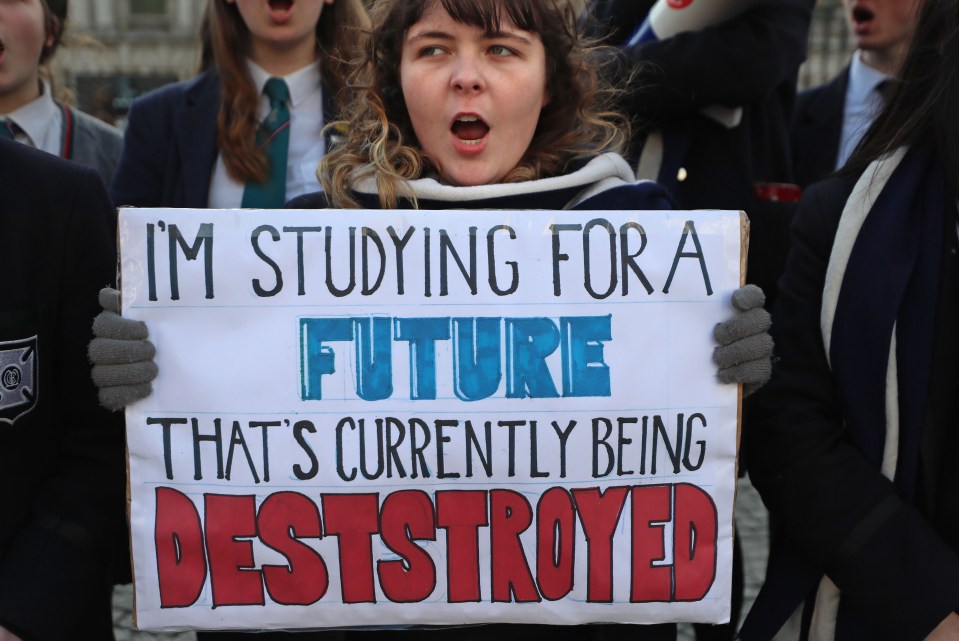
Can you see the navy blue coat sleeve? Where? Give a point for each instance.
(641, 196)
(312, 200)
(741, 61)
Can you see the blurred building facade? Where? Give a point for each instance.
(117, 49)
(830, 44)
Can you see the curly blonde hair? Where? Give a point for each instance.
(378, 140)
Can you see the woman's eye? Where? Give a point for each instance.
(430, 51)
(500, 50)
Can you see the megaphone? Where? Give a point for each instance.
(669, 17)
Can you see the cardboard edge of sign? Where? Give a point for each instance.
(743, 255)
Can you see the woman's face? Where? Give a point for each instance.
(474, 98)
(282, 32)
(881, 24)
(23, 36)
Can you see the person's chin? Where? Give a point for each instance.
(868, 42)
(467, 178)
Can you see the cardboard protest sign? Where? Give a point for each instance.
(413, 417)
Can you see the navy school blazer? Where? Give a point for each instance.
(169, 149)
(816, 129)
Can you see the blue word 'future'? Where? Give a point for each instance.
(476, 350)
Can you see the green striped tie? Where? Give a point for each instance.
(7, 128)
(274, 136)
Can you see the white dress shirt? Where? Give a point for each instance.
(862, 105)
(306, 138)
(40, 121)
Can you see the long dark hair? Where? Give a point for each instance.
(55, 19)
(581, 122)
(923, 109)
(227, 38)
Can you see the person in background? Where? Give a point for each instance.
(832, 118)
(476, 104)
(246, 132)
(62, 456)
(746, 64)
(30, 33)
(751, 62)
(854, 439)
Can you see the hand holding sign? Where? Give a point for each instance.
(745, 347)
(122, 356)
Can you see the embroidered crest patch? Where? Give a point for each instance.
(18, 378)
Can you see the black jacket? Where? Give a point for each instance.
(61, 455)
(817, 128)
(169, 148)
(893, 557)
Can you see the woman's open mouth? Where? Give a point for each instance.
(280, 8)
(862, 18)
(469, 129)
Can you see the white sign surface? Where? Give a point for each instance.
(415, 417)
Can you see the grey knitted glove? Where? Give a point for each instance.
(122, 356)
(745, 347)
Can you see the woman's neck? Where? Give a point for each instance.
(21, 95)
(283, 62)
(886, 61)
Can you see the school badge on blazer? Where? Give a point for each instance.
(18, 378)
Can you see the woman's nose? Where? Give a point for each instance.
(467, 74)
